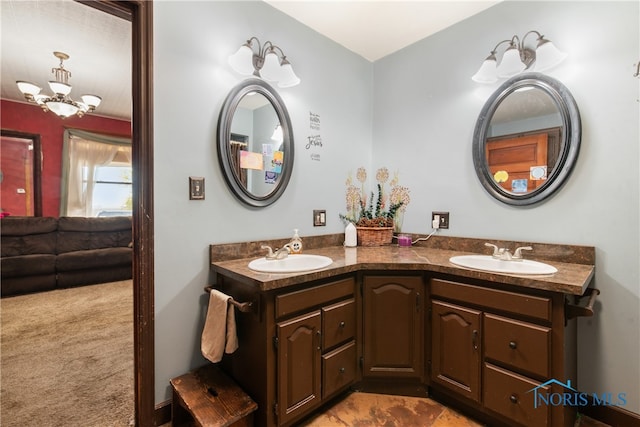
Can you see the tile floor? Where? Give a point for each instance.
(374, 410)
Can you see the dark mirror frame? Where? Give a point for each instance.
(569, 145)
(37, 165)
(224, 148)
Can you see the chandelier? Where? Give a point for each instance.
(60, 103)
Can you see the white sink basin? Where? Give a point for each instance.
(292, 264)
(488, 263)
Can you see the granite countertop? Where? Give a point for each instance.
(571, 278)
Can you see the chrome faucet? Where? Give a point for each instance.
(505, 255)
(281, 253)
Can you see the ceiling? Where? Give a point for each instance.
(376, 28)
(99, 44)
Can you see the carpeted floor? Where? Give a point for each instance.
(67, 357)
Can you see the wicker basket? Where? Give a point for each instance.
(374, 236)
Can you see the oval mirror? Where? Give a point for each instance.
(526, 140)
(255, 143)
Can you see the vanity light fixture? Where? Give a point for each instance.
(60, 103)
(517, 58)
(277, 136)
(266, 60)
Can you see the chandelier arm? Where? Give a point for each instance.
(250, 42)
(530, 32)
(495, 49)
(273, 49)
(266, 47)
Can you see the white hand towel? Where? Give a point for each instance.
(219, 333)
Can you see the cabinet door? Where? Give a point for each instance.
(393, 327)
(455, 348)
(299, 365)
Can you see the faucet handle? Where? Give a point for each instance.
(518, 253)
(496, 251)
(268, 248)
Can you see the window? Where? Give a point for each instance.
(97, 175)
(112, 192)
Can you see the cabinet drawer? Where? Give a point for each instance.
(517, 344)
(338, 323)
(338, 368)
(293, 302)
(510, 395)
(517, 303)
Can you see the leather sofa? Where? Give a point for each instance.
(43, 253)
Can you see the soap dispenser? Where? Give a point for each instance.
(296, 243)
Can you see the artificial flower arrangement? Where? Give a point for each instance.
(385, 210)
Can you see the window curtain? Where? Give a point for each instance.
(83, 150)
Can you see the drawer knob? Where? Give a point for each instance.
(513, 344)
(342, 370)
(513, 398)
(342, 324)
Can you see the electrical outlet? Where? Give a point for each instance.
(319, 217)
(444, 218)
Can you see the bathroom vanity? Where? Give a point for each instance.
(407, 321)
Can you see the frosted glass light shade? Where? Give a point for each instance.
(91, 100)
(288, 78)
(488, 72)
(547, 56)
(242, 60)
(511, 63)
(277, 134)
(28, 88)
(60, 88)
(62, 109)
(271, 69)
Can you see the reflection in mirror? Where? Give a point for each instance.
(527, 139)
(255, 143)
(20, 174)
(523, 140)
(256, 148)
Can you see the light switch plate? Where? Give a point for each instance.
(196, 188)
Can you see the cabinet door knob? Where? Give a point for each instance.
(513, 398)
(513, 344)
(342, 370)
(342, 324)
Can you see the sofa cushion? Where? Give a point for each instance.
(79, 233)
(28, 235)
(27, 265)
(26, 284)
(94, 258)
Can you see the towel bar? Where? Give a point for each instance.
(245, 307)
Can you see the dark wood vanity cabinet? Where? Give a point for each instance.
(456, 348)
(480, 345)
(297, 348)
(393, 327)
(316, 352)
(491, 348)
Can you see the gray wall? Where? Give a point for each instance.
(413, 114)
(192, 79)
(424, 117)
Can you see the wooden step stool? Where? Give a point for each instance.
(207, 397)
